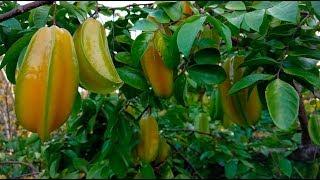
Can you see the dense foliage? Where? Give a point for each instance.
(279, 43)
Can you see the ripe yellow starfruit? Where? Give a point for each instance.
(97, 71)
(47, 82)
(157, 73)
(164, 151)
(147, 149)
(238, 108)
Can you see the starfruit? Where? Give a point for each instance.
(164, 151)
(97, 71)
(157, 73)
(147, 149)
(47, 82)
(202, 124)
(244, 107)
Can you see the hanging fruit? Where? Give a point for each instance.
(238, 108)
(202, 122)
(47, 81)
(97, 71)
(147, 149)
(159, 76)
(164, 151)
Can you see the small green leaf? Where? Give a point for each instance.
(11, 23)
(236, 5)
(285, 11)
(254, 19)
(38, 16)
(207, 56)
(285, 167)
(124, 39)
(283, 103)
(124, 57)
(304, 74)
(230, 168)
(187, 34)
(160, 16)
(139, 47)
(145, 25)
(248, 81)
(146, 172)
(208, 74)
(259, 61)
(133, 77)
(301, 51)
(80, 164)
(12, 55)
(180, 89)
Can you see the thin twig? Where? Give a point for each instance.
(22, 9)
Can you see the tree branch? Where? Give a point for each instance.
(22, 9)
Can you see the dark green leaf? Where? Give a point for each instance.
(38, 17)
(222, 29)
(306, 75)
(174, 11)
(235, 18)
(207, 56)
(208, 74)
(285, 167)
(146, 172)
(260, 61)
(314, 129)
(316, 7)
(133, 78)
(304, 52)
(180, 89)
(231, 168)
(11, 23)
(283, 103)
(248, 81)
(80, 164)
(160, 16)
(124, 57)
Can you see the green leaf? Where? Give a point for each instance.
(276, 44)
(160, 16)
(314, 129)
(261, 4)
(231, 168)
(53, 169)
(146, 172)
(124, 57)
(139, 47)
(80, 164)
(12, 55)
(80, 14)
(207, 56)
(133, 77)
(316, 7)
(304, 74)
(235, 18)
(301, 51)
(21, 56)
(285, 11)
(248, 81)
(208, 74)
(174, 11)
(188, 33)
(283, 103)
(285, 167)
(38, 16)
(235, 5)
(254, 19)
(260, 61)
(180, 89)
(222, 29)
(11, 23)
(145, 25)
(124, 39)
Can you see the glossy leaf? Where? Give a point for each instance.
(306, 75)
(139, 46)
(187, 35)
(222, 29)
(38, 17)
(208, 74)
(133, 78)
(145, 25)
(314, 129)
(235, 5)
(180, 89)
(283, 103)
(285, 11)
(207, 56)
(248, 81)
(254, 19)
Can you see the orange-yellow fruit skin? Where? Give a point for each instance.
(238, 108)
(97, 71)
(147, 149)
(186, 9)
(164, 151)
(47, 81)
(159, 76)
